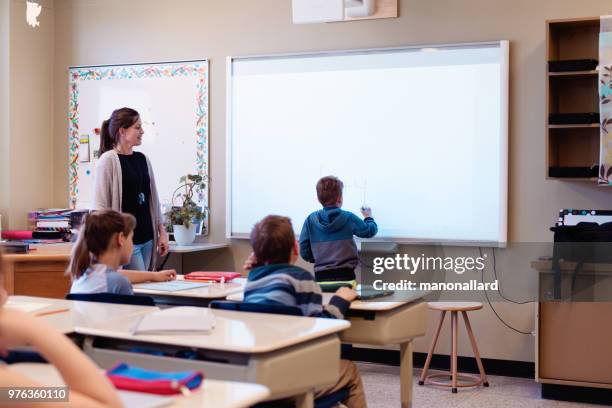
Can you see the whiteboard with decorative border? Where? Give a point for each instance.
(172, 99)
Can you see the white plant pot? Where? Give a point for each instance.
(184, 236)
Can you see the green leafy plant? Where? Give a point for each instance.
(188, 212)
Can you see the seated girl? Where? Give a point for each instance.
(88, 385)
(104, 244)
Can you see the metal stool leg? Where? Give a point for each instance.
(432, 348)
(454, 351)
(468, 326)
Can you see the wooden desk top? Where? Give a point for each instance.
(43, 253)
(212, 393)
(73, 313)
(375, 305)
(61, 252)
(567, 266)
(236, 332)
(210, 291)
(195, 247)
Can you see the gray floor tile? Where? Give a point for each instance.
(382, 389)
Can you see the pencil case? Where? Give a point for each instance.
(212, 276)
(125, 377)
(335, 285)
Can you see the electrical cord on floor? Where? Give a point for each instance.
(493, 309)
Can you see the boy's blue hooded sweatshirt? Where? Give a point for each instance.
(327, 238)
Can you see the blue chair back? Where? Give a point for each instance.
(112, 298)
(22, 356)
(256, 307)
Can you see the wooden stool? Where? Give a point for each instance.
(454, 307)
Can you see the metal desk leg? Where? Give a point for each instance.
(305, 400)
(406, 374)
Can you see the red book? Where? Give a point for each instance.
(213, 276)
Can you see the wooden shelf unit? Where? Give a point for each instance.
(572, 92)
(586, 126)
(573, 73)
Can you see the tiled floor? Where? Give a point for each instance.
(381, 384)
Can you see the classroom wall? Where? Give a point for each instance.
(30, 139)
(90, 32)
(4, 109)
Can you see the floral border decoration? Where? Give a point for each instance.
(166, 70)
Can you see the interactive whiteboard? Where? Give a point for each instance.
(419, 134)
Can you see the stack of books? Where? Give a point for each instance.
(52, 220)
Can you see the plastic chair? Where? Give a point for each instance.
(112, 298)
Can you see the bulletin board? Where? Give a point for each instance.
(172, 99)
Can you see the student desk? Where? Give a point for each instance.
(201, 296)
(212, 393)
(288, 354)
(40, 272)
(65, 315)
(396, 320)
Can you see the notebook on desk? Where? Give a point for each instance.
(176, 320)
(171, 286)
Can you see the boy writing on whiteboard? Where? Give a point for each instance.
(327, 235)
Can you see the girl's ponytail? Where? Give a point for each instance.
(80, 258)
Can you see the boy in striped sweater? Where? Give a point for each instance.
(273, 279)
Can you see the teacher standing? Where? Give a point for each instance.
(124, 182)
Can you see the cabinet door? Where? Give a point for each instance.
(575, 341)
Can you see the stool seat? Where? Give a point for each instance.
(455, 306)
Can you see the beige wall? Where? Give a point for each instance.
(4, 110)
(30, 121)
(93, 32)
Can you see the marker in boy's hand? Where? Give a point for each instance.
(347, 294)
(366, 211)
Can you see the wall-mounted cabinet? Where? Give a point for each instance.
(572, 148)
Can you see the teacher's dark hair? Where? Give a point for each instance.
(109, 132)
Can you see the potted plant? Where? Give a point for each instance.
(186, 217)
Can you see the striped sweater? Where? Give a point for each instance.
(289, 285)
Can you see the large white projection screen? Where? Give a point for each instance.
(418, 134)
